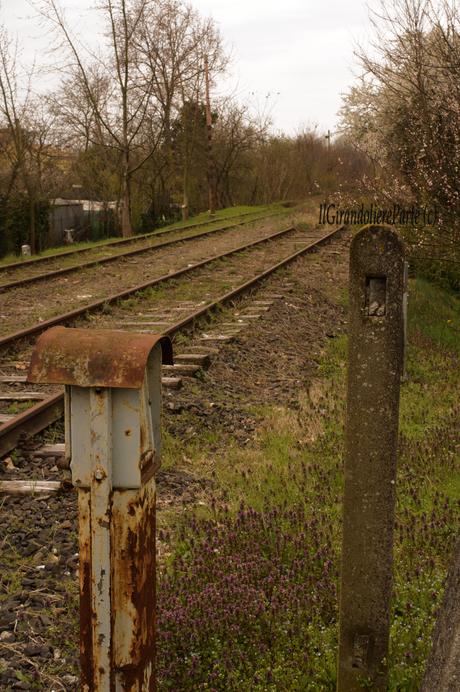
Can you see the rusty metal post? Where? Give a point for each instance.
(113, 404)
(97, 531)
(374, 372)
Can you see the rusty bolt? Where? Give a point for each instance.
(99, 474)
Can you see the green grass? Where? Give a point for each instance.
(295, 466)
(435, 313)
(334, 360)
(18, 407)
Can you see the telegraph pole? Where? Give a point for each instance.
(210, 172)
(328, 163)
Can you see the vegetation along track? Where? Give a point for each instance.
(219, 280)
(23, 273)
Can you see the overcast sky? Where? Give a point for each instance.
(290, 58)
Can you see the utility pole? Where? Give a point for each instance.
(328, 165)
(211, 171)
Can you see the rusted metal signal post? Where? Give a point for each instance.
(113, 404)
(375, 361)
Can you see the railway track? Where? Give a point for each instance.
(105, 254)
(28, 305)
(194, 292)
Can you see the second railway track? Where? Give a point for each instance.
(30, 273)
(193, 293)
(26, 311)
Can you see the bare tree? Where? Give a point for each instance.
(25, 136)
(405, 112)
(118, 119)
(173, 44)
(76, 119)
(237, 139)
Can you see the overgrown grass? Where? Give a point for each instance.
(18, 407)
(249, 600)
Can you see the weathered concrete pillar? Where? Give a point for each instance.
(443, 669)
(374, 371)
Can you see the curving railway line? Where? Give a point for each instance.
(193, 292)
(27, 305)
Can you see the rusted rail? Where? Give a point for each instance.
(130, 253)
(51, 409)
(30, 422)
(127, 241)
(65, 317)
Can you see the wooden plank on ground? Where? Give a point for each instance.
(23, 396)
(31, 487)
(171, 382)
(13, 378)
(50, 450)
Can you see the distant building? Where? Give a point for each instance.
(81, 215)
(64, 214)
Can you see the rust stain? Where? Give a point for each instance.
(134, 592)
(94, 358)
(147, 457)
(86, 643)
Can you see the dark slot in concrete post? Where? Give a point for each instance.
(375, 357)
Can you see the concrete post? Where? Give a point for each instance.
(376, 340)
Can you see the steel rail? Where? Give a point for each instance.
(95, 305)
(51, 409)
(130, 253)
(126, 241)
(247, 285)
(30, 422)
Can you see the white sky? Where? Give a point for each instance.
(290, 58)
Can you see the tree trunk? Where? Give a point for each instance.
(185, 207)
(32, 226)
(170, 158)
(125, 212)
